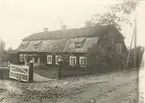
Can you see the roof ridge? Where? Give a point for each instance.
(68, 33)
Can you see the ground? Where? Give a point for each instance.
(116, 87)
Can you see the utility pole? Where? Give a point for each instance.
(135, 41)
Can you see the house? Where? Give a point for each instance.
(69, 45)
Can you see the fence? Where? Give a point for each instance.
(21, 72)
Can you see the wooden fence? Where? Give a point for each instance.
(21, 73)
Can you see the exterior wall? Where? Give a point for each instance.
(13, 58)
(65, 58)
(118, 39)
(30, 55)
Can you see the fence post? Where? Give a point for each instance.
(59, 69)
(1, 74)
(30, 72)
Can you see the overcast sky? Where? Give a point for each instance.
(20, 18)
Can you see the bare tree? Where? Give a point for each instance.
(3, 53)
(116, 15)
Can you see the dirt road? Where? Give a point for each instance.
(110, 88)
(119, 90)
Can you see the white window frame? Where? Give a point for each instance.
(71, 62)
(80, 61)
(77, 44)
(56, 60)
(49, 62)
(118, 48)
(21, 57)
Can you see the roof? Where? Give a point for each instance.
(89, 42)
(69, 33)
(64, 40)
(60, 45)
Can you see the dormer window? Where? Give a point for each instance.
(35, 46)
(24, 45)
(78, 44)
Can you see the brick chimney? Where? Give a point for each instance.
(45, 29)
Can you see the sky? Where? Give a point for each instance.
(21, 18)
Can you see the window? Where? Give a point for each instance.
(111, 38)
(103, 47)
(77, 44)
(24, 46)
(25, 57)
(36, 59)
(49, 59)
(72, 60)
(119, 48)
(35, 46)
(83, 61)
(57, 57)
(21, 57)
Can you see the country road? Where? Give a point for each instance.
(109, 88)
(119, 90)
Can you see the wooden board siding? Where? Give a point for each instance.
(53, 43)
(42, 55)
(14, 58)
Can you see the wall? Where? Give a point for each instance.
(13, 58)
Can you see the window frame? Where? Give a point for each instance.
(24, 46)
(71, 62)
(49, 62)
(35, 46)
(56, 61)
(111, 38)
(118, 48)
(78, 44)
(21, 57)
(85, 62)
(103, 47)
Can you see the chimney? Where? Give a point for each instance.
(45, 29)
(87, 24)
(63, 27)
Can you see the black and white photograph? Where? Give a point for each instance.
(72, 51)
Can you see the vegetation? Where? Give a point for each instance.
(116, 15)
(3, 52)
